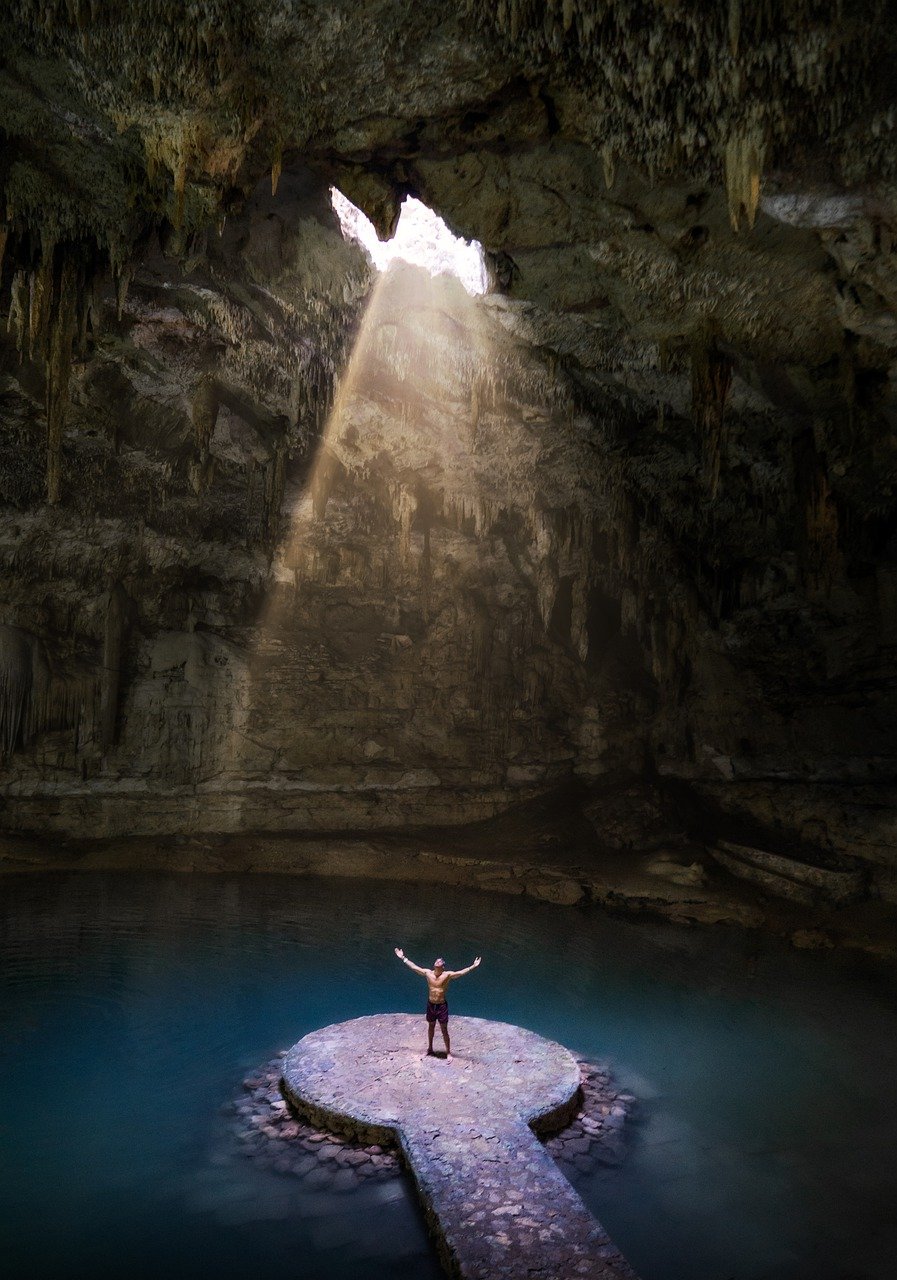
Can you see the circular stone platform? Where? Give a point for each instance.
(361, 1076)
(498, 1204)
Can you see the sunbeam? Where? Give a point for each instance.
(390, 465)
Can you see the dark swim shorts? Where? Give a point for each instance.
(437, 1012)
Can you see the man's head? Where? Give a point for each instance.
(438, 964)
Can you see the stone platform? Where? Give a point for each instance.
(496, 1201)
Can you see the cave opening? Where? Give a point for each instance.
(448, 493)
(421, 238)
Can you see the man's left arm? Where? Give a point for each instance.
(459, 973)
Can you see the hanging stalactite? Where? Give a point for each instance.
(15, 687)
(711, 378)
(38, 697)
(204, 413)
(48, 316)
(818, 525)
(40, 302)
(113, 643)
(64, 330)
(275, 481)
(18, 310)
(743, 161)
(734, 26)
(608, 162)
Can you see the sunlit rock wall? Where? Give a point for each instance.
(264, 606)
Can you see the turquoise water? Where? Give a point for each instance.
(132, 1006)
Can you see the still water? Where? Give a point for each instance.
(764, 1145)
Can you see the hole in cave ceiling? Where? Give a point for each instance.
(421, 238)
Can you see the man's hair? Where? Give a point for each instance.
(437, 963)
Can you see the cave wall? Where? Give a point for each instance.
(635, 508)
(259, 608)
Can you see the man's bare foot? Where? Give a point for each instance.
(449, 1058)
(431, 1053)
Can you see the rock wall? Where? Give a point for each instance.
(373, 609)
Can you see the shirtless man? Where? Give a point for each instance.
(438, 979)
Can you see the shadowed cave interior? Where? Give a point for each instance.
(455, 446)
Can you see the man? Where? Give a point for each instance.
(438, 979)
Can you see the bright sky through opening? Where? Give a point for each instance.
(421, 238)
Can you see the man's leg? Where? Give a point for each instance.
(431, 1027)
(443, 1026)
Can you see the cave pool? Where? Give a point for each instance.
(763, 1146)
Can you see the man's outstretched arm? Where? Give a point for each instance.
(459, 973)
(404, 959)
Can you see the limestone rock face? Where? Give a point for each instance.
(284, 546)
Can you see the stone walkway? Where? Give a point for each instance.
(496, 1201)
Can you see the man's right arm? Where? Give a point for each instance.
(404, 959)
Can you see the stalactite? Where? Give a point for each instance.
(251, 504)
(847, 381)
(15, 687)
(18, 309)
(404, 507)
(609, 165)
(200, 472)
(180, 187)
(113, 636)
(744, 157)
(59, 364)
(276, 168)
(275, 480)
(40, 302)
(85, 318)
(426, 574)
(34, 698)
(818, 523)
(66, 702)
(711, 377)
(124, 274)
(663, 364)
(474, 414)
(204, 413)
(734, 26)
(327, 473)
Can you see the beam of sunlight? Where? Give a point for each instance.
(397, 462)
(394, 425)
(420, 348)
